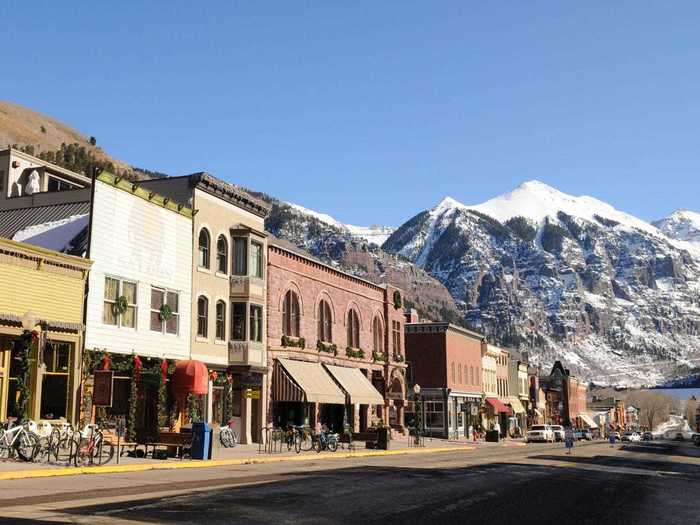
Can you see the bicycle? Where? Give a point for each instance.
(91, 448)
(47, 447)
(21, 439)
(303, 439)
(228, 437)
(325, 441)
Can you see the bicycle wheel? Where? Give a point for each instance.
(64, 454)
(27, 446)
(81, 451)
(223, 437)
(307, 441)
(4, 449)
(103, 452)
(332, 445)
(297, 442)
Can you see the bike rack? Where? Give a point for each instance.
(271, 440)
(415, 438)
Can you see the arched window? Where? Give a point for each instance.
(454, 378)
(221, 320)
(459, 372)
(204, 244)
(324, 322)
(290, 314)
(377, 335)
(221, 254)
(202, 316)
(353, 329)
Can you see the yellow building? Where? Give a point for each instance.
(42, 294)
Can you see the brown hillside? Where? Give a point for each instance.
(23, 126)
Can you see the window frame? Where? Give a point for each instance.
(203, 317)
(377, 335)
(237, 242)
(119, 317)
(353, 329)
(234, 316)
(325, 321)
(175, 312)
(220, 321)
(222, 254)
(204, 252)
(290, 314)
(256, 262)
(258, 327)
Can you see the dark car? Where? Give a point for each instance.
(647, 436)
(696, 439)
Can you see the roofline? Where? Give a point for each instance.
(451, 326)
(229, 193)
(37, 252)
(46, 163)
(135, 189)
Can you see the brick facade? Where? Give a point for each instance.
(312, 282)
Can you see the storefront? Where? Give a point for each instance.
(41, 332)
(496, 413)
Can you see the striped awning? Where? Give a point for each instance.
(284, 388)
(516, 405)
(358, 388)
(588, 420)
(313, 380)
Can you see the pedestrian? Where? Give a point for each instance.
(471, 432)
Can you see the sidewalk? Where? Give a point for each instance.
(239, 455)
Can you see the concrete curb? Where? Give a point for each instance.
(115, 469)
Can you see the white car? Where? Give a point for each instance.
(632, 437)
(540, 433)
(558, 432)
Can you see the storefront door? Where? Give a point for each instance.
(55, 382)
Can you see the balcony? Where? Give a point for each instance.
(246, 353)
(245, 286)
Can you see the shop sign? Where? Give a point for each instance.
(102, 392)
(252, 393)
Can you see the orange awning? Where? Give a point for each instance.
(191, 377)
(498, 406)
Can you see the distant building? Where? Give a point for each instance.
(566, 396)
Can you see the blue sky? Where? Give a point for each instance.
(372, 111)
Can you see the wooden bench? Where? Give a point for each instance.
(111, 436)
(178, 440)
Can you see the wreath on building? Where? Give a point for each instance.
(166, 313)
(398, 303)
(120, 305)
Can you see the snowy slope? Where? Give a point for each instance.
(374, 234)
(683, 225)
(565, 277)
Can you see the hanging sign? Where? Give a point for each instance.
(252, 394)
(102, 392)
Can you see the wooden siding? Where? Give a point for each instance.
(140, 241)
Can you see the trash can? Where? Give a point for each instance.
(492, 436)
(201, 439)
(383, 438)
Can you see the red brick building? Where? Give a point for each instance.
(335, 351)
(445, 360)
(566, 396)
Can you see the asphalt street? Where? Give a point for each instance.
(638, 484)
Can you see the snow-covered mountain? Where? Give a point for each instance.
(567, 277)
(375, 234)
(682, 225)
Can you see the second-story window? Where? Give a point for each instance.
(324, 322)
(377, 335)
(353, 329)
(256, 323)
(459, 372)
(290, 314)
(396, 336)
(239, 264)
(164, 311)
(204, 247)
(238, 321)
(202, 316)
(221, 321)
(119, 303)
(256, 259)
(221, 255)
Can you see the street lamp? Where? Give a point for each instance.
(29, 321)
(418, 414)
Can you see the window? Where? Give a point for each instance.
(454, 378)
(459, 372)
(221, 255)
(256, 259)
(114, 290)
(238, 321)
(396, 336)
(240, 256)
(324, 322)
(204, 243)
(256, 323)
(434, 414)
(377, 335)
(353, 329)
(290, 314)
(160, 297)
(221, 321)
(55, 184)
(202, 316)
(54, 391)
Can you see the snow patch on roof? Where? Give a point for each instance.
(54, 235)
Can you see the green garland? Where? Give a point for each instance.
(329, 348)
(133, 405)
(293, 341)
(166, 313)
(29, 345)
(121, 305)
(192, 409)
(398, 303)
(378, 356)
(352, 352)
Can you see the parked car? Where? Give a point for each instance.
(583, 434)
(647, 436)
(558, 432)
(540, 433)
(696, 439)
(631, 437)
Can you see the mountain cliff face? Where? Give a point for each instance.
(682, 225)
(354, 249)
(566, 277)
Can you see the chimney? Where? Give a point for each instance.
(411, 315)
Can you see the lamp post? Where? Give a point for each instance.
(418, 413)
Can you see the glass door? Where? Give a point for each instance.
(54, 390)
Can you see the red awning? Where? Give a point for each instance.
(191, 377)
(499, 407)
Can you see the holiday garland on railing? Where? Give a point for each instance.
(30, 345)
(192, 408)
